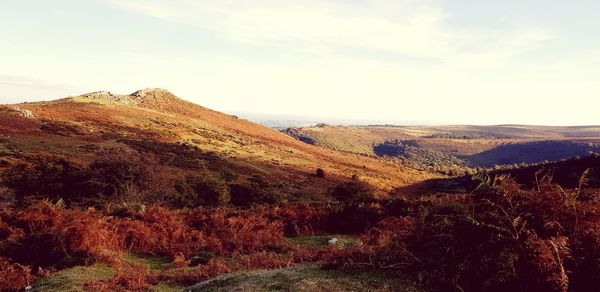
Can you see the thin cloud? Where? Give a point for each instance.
(31, 88)
(415, 29)
(8, 80)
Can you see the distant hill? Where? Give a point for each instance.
(449, 146)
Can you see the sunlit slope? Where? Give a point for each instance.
(78, 126)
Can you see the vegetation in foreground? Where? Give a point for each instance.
(501, 237)
(95, 197)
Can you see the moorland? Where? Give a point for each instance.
(149, 192)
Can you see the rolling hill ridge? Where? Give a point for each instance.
(186, 138)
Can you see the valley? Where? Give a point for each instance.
(456, 149)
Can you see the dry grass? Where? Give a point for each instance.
(171, 120)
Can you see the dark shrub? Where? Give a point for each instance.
(184, 195)
(210, 191)
(43, 176)
(354, 192)
(243, 194)
(8, 196)
(41, 250)
(228, 174)
(257, 191)
(320, 173)
(352, 219)
(127, 176)
(200, 191)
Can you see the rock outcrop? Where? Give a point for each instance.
(24, 112)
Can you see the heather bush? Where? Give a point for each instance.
(243, 194)
(9, 199)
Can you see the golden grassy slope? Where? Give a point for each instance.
(74, 125)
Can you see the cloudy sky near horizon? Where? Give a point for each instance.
(452, 61)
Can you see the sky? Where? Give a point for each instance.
(446, 61)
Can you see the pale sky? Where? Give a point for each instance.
(453, 61)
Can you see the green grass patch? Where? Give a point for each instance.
(343, 241)
(309, 278)
(73, 279)
(167, 287)
(153, 263)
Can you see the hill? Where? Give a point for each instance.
(184, 140)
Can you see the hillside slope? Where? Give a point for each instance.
(184, 136)
(574, 173)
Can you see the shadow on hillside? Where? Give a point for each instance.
(567, 174)
(532, 152)
(455, 185)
